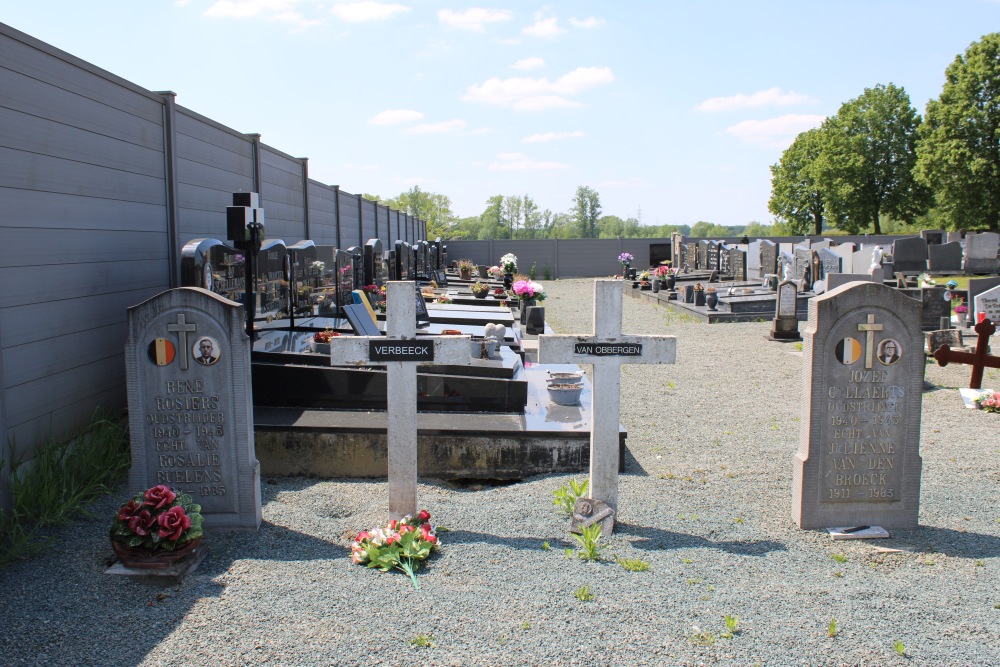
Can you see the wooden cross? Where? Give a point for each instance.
(182, 328)
(870, 328)
(607, 349)
(978, 359)
(401, 352)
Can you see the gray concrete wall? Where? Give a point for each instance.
(102, 183)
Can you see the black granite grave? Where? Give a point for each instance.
(934, 307)
(737, 263)
(690, 256)
(712, 256)
(215, 266)
(373, 274)
(945, 258)
(909, 255)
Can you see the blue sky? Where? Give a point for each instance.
(672, 109)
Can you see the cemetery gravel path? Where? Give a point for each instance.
(705, 500)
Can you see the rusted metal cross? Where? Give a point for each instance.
(978, 359)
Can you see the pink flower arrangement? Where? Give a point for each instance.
(401, 545)
(989, 401)
(527, 289)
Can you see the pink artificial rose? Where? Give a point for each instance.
(358, 556)
(393, 524)
(159, 496)
(425, 533)
(405, 528)
(173, 523)
(424, 516)
(128, 509)
(392, 538)
(141, 523)
(363, 535)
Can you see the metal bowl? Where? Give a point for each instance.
(565, 394)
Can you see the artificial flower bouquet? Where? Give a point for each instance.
(495, 272)
(508, 263)
(625, 258)
(401, 545)
(528, 289)
(157, 520)
(324, 336)
(989, 401)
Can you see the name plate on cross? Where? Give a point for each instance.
(607, 349)
(411, 350)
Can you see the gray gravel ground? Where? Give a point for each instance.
(705, 500)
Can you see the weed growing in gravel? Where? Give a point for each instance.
(634, 564)
(525, 625)
(731, 630)
(423, 641)
(566, 495)
(501, 639)
(688, 561)
(568, 552)
(899, 648)
(671, 385)
(831, 630)
(738, 520)
(840, 558)
(590, 542)
(693, 582)
(702, 637)
(546, 546)
(838, 573)
(980, 563)
(583, 594)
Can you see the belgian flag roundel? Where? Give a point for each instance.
(161, 351)
(848, 350)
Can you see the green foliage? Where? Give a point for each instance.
(583, 594)
(531, 272)
(55, 485)
(840, 558)
(959, 155)
(423, 641)
(566, 495)
(546, 546)
(590, 542)
(546, 272)
(586, 211)
(865, 165)
(731, 622)
(899, 648)
(702, 637)
(634, 564)
(796, 197)
(831, 630)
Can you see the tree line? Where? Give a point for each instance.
(876, 163)
(875, 166)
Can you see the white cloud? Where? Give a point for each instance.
(521, 162)
(772, 97)
(282, 11)
(395, 116)
(526, 94)
(774, 132)
(529, 63)
(366, 10)
(474, 19)
(627, 183)
(437, 128)
(544, 28)
(515, 41)
(589, 22)
(553, 136)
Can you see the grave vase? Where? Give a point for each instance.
(656, 284)
(671, 281)
(508, 280)
(524, 305)
(711, 300)
(465, 274)
(144, 560)
(699, 297)
(625, 271)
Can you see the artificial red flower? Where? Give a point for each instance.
(173, 523)
(128, 509)
(159, 497)
(141, 523)
(424, 515)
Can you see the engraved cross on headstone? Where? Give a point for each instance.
(607, 349)
(401, 352)
(870, 328)
(182, 328)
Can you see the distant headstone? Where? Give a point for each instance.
(785, 326)
(988, 303)
(703, 254)
(768, 258)
(981, 252)
(607, 349)
(933, 236)
(835, 280)
(691, 256)
(712, 253)
(829, 262)
(187, 369)
(935, 339)
(846, 253)
(373, 263)
(738, 263)
(909, 255)
(933, 306)
(946, 257)
(954, 237)
(753, 261)
(858, 461)
(976, 287)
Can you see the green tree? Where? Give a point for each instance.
(491, 220)
(865, 167)
(532, 218)
(959, 149)
(431, 207)
(795, 194)
(610, 227)
(587, 211)
(511, 212)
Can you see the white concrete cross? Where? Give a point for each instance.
(607, 349)
(401, 352)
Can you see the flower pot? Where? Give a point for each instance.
(465, 274)
(711, 300)
(525, 304)
(656, 285)
(671, 281)
(565, 394)
(480, 295)
(508, 280)
(140, 559)
(699, 297)
(565, 378)
(319, 348)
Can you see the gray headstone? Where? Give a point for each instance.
(802, 261)
(935, 339)
(956, 237)
(909, 255)
(945, 257)
(738, 263)
(187, 368)
(768, 258)
(786, 323)
(702, 254)
(753, 261)
(934, 307)
(835, 280)
(988, 303)
(846, 253)
(981, 252)
(829, 261)
(858, 460)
